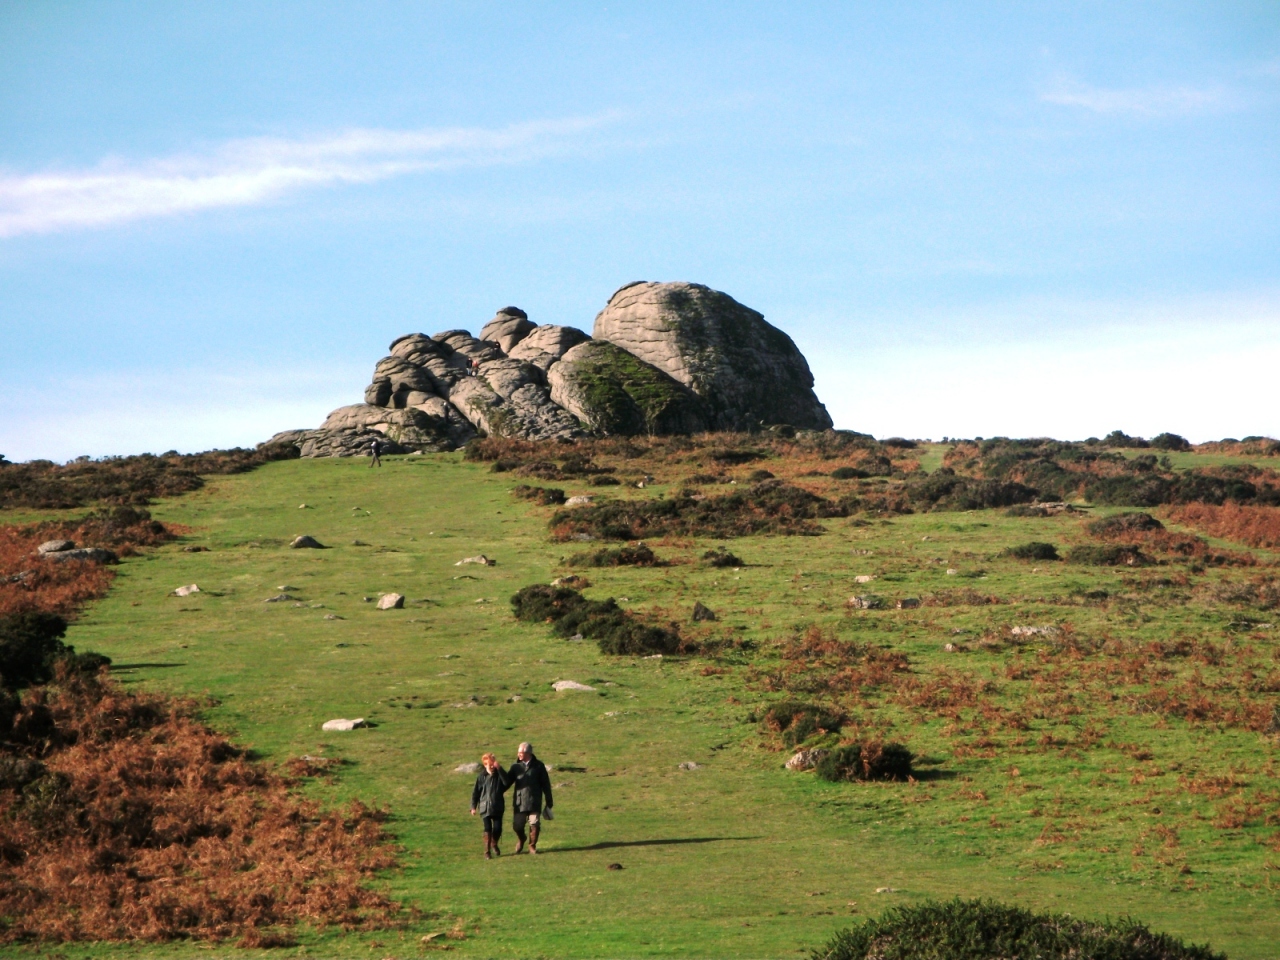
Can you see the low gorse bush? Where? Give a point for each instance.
(543, 496)
(866, 761)
(1035, 550)
(570, 614)
(796, 722)
(632, 555)
(985, 930)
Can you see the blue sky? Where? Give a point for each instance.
(1021, 219)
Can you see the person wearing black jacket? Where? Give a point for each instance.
(529, 774)
(487, 800)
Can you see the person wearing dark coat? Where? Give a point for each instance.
(488, 802)
(533, 787)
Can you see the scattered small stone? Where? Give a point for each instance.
(467, 768)
(367, 599)
(950, 647)
(863, 578)
(303, 506)
(306, 542)
(577, 638)
(652, 656)
(284, 588)
(952, 571)
(55, 546)
(562, 685)
(515, 698)
(195, 549)
(574, 581)
(702, 612)
(391, 601)
(908, 603)
(186, 591)
(615, 866)
(866, 603)
(579, 501)
(886, 890)
(279, 598)
(358, 543)
(806, 759)
(333, 616)
(925, 538)
(690, 765)
(479, 558)
(344, 724)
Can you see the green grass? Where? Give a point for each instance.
(739, 858)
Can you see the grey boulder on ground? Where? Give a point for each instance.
(701, 612)
(306, 542)
(186, 591)
(746, 371)
(55, 546)
(614, 392)
(806, 759)
(391, 601)
(344, 724)
(89, 554)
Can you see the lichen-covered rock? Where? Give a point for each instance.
(507, 398)
(613, 392)
(546, 345)
(746, 371)
(508, 328)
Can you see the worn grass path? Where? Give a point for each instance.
(736, 859)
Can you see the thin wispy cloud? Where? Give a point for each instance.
(1154, 101)
(252, 171)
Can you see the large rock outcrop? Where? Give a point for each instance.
(667, 358)
(746, 371)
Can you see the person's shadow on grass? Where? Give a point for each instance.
(612, 844)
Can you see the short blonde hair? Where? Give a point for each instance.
(485, 758)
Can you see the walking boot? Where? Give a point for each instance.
(533, 839)
(496, 851)
(520, 842)
(488, 843)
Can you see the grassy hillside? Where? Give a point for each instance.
(1081, 803)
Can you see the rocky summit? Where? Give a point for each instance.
(665, 358)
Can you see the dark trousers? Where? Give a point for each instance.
(493, 827)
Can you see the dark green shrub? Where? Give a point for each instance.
(736, 457)
(720, 557)
(1026, 510)
(984, 930)
(797, 722)
(605, 480)
(1118, 438)
(543, 496)
(638, 555)
(1035, 550)
(866, 761)
(31, 649)
(1108, 556)
(899, 443)
(615, 630)
(1170, 441)
(849, 473)
(1122, 524)
(755, 476)
(504, 466)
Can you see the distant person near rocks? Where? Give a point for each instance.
(529, 774)
(488, 802)
(375, 448)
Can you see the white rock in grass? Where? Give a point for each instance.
(479, 558)
(690, 765)
(806, 759)
(579, 501)
(186, 591)
(391, 601)
(55, 546)
(562, 685)
(344, 724)
(863, 578)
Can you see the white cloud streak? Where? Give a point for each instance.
(1142, 101)
(259, 170)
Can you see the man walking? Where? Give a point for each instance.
(529, 775)
(375, 448)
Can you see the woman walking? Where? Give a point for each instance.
(487, 800)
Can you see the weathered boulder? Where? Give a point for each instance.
(508, 328)
(55, 546)
(342, 723)
(507, 398)
(306, 542)
(746, 371)
(613, 392)
(351, 429)
(89, 554)
(546, 345)
(391, 601)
